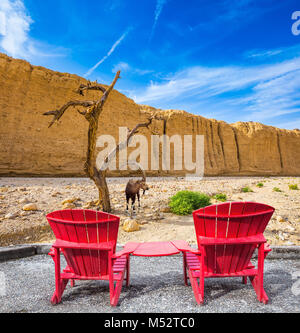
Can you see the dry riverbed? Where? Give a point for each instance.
(24, 202)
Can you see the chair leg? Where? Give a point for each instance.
(258, 280)
(198, 289)
(60, 284)
(185, 269)
(128, 271)
(115, 291)
(244, 279)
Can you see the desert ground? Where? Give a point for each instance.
(154, 221)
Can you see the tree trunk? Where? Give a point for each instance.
(99, 179)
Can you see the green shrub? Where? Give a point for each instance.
(185, 202)
(246, 189)
(293, 187)
(277, 189)
(220, 197)
(260, 185)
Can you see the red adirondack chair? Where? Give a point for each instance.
(227, 236)
(88, 241)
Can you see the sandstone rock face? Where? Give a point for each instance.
(28, 147)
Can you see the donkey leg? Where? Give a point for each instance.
(133, 205)
(127, 204)
(139, 201)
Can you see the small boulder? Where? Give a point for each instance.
(70, 200)
(130, 225)
(30, 207)
(11, 215)
(68, 205)
(280, 219)
(166, 209)
(24, 201)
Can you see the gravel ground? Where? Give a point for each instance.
(26, 286)
(156, 223)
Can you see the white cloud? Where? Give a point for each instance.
(90, 71)
(125, 67)
(122, 66)
(263, 54)
(283, 53)
(14, 27)
(257, 93)
(15, 39)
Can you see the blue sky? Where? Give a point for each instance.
(232, 60)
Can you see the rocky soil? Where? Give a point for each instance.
(24, 202)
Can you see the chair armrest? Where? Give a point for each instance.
(256, 239)
(267, 247)
(128, 249)
(52, 252)
(83, 246)
(183, 246)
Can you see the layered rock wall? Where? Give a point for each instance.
(28, 147)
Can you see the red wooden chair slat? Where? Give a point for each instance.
(220, 232)
(232, 253)
(78, 232)
(243, 224)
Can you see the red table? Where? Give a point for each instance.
(156, 249)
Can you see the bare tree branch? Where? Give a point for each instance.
(130, 134)
(110, 88)
(84, 87)
(59, 113)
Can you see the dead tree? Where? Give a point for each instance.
(92, 112)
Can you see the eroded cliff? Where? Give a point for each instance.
(28, 147)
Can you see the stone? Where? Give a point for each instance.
(289, 228)
(23, 213)
(30, 207)
(142, 222)
(130, 225)
(89, 204)
(70, 200)
(55, 194)
(23, 201)
(280, 219)
(158, 216)
(11, 215)
(68, 205)
(282, 235)
(165, 209)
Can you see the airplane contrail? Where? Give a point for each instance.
(90, 71)
(159, 7)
